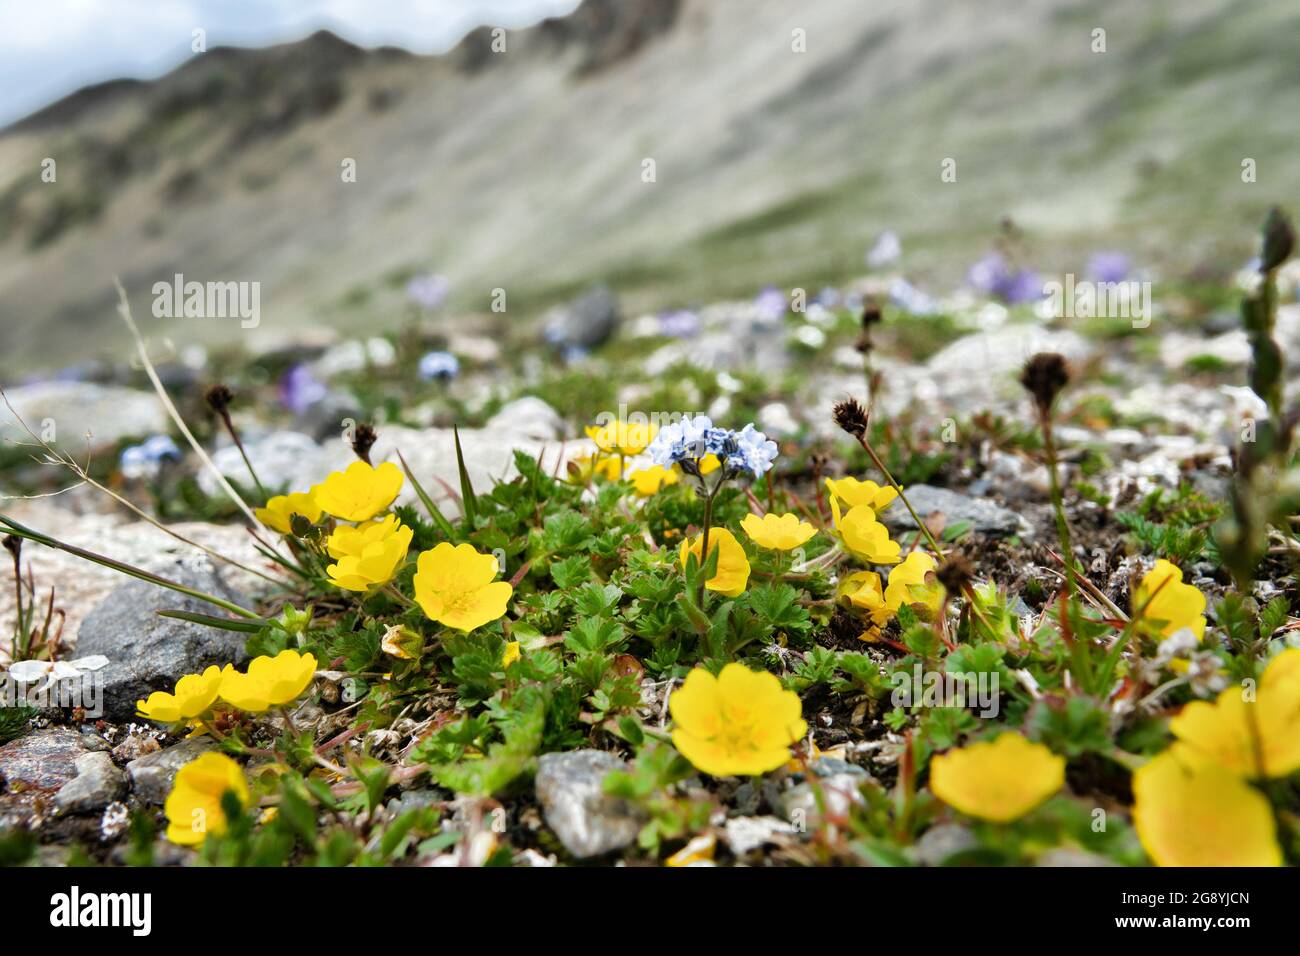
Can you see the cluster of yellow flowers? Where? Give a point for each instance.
(269, 682)
(1194, 803)
(454, 586)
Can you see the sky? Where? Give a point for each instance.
(49, 48)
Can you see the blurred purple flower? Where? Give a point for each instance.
(442, 366)
(428, 291)
(772, 304)
(1109, 266)
(300, 390)
(993, 277)
(679, 323)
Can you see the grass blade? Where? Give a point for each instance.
(434, 512)
(468, 501)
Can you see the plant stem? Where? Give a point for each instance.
(880, 465)
(234, 436)
(21, 531)
(1058, 502)
(704, 538)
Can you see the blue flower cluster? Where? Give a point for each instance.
(145, 460)
(687, 441)
(441, 366)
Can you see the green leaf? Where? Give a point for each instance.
(243, 625)
(468, 500)
(434, 512)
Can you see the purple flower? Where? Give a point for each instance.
(1109, 267)
(428, 291)
(772, 304)
(1024, 285)
(988, 274)
(442, 366)
(679, 323)
(992, 276)
(300, 390)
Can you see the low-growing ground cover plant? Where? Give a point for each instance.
(740, 629)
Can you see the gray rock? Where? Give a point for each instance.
(416, 800)
(983, 366)
(834, 766)
(152, 774)
(984, 516)
(107, 413)
(98, 783)
(284, 460)
(746, 834)
(839, 792)
(147, 652)
(529, 417)
(942, 842)
(587, 821)
(45, 759)
(586, 322)
(758, 351)
(1069, 856)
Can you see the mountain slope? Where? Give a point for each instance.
(523, 170)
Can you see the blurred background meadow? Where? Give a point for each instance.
(782, 141)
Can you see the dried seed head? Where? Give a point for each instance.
(363, 439)
(870, 316)
(1044, 376)
(955, 574)
(851, 416)
(219, 398)
(1279, 240)
(12, 543)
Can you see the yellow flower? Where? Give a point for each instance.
(269, 682)
(1166, 604)
(361, 492)
(862, 591)
(863, 535)
(511, 654)
(783, 533)
(581, 470)
(194, 694)
(455, 587)
(910, 583)
(741, 722)
(647, 481)
(367, 555)
(733, 566)
(193, 807)
(1192, 812)
(279, 511)
(624, 438)
(852, 492)
(1251, 738)
(999, 780)
(709, 464)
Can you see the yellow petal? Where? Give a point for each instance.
(1190, 812)
(999, 780)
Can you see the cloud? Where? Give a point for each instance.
(49, 48)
